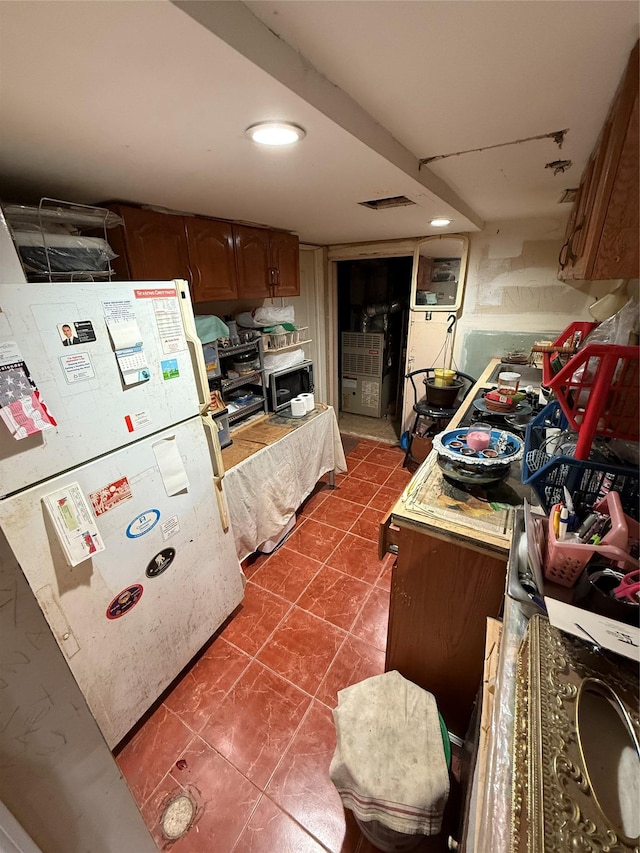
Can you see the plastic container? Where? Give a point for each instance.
(588, 480)
(597, 389)
(281, 340)
(566, 560)
(443, 377)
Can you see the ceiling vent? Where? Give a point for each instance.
(386, 203)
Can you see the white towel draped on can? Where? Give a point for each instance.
(389, 765)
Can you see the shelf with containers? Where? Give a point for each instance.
(243, 380)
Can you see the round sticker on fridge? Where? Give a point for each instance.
(160, 563)
(143, 523)
(124, 601)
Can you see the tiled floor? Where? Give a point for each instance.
(248, 731)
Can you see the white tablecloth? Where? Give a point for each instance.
(264, 491)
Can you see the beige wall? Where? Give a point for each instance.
(512, 287)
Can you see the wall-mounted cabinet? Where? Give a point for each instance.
(220, 260)
(602, 233)
(267, 262)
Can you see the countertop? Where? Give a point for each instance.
(434, 505)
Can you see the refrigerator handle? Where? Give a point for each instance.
(211, 431)
(194, 344)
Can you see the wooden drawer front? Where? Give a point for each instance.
(388, 536)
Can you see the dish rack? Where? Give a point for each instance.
(566, 560)
(587, 480)
(284, 340)
(597, 389)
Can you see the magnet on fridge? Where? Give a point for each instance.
(160, 563)
(125, 601)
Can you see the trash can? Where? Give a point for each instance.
(392, 758)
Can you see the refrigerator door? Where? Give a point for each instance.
(128, 618)
(110, 362)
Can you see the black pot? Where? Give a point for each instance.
(442, 395)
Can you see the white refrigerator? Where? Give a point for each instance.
(111, 491)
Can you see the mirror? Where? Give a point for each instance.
(610, 755)
(439, 272)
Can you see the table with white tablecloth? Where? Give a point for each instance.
(264, 490)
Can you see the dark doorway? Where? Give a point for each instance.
(373, 316)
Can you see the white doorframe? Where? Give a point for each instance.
(360, 251)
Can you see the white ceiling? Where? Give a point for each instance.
(147, 101)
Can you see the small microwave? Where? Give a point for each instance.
(286, 384)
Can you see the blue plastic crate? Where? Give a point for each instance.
(587, 480)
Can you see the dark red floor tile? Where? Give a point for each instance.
(337, 512)
(384, 581)
(391, 458)
(314, 539)
(252, 563)
(202, 689)
(384, 498)
(367, 524)
(150, 754)
(302, 649)
(287, 573)
(255, 723)
(360, 451)
(153, 810)
(301, 785)
(399, 479)
(357, 557)
(373, 620)
(334, 596)
(225, 800)
(270, 830)
(258, 615)
(316, 497)
(357, 491)
(371, 473)
(354, 662)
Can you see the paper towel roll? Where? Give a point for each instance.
(309, 401)
(298, 407)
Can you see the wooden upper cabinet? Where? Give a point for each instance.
(267, 261)
(219, 259)
(155, 245)
(252, 245)
(285, 259)
(601, 241)
(212, 259)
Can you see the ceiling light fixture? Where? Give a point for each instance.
(275, 133)
(440, 223)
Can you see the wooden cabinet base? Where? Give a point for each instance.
(441, 596)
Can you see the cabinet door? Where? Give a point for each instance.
(252, 262)
(441, 596)
(212, 259)
(285, 258)
(156, 245)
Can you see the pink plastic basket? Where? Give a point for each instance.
(566, 560)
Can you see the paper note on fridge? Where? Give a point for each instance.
(73, 523)
(171, 466)
(593, 628)
(127, 340)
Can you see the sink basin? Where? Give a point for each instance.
(530, 375)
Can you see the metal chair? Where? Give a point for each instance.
(423, 409)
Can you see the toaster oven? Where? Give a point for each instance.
(286, 384)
